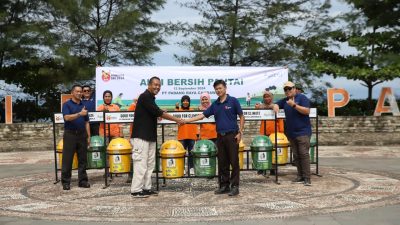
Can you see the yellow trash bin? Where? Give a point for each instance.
(172, 159)
(241, 152)
(119, 155)
(60, 147)
(283, 145)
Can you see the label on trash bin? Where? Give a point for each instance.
(280, 151)
(262, 156)
(117, 159)
(96, 156)
(171, 163)
(204, 162)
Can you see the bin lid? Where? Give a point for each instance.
(60, 145)
(204, 147)
(282, 139)
(172, 147)
(96, 141)
(118, 144)
(261, 141)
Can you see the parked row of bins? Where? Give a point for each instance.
(173, 155)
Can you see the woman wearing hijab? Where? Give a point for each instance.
(187, 133)
(115, 129)
(207, 130)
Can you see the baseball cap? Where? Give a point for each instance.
(267, 93)
(288, 84)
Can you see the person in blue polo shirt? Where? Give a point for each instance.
(76, 138)
(298, 130)
(225, 110)
(90, 104)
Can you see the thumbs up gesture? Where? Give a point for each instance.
(84, 111)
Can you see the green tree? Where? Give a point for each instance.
(108, 31)
(251, 33)
(22, 32)
(372, 30)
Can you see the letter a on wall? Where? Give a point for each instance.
(386, 93)
(332, 104)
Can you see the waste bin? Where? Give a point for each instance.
(313, 143)
(283, 145)
(119, 155)
(172, 159)
(261, 153)
(96, 155)
(241, 153)
(204, 154)
(60, 147)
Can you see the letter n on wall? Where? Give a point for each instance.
(332, 104)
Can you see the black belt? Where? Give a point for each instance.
(226, 133)
(75, 131)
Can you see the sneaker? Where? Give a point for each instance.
(150, 192)
(298, 180)
(140, 194)
(307, 182)
(222, 190)
(191, 171)
(234, 191)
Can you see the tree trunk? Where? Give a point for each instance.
(233, 36)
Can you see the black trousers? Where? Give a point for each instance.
(228, 156)
(300, 147)
(74, 142)
(94, 129)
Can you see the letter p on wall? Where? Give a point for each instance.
(332, 104)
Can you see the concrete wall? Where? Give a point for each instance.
(333, 131)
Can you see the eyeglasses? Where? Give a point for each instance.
(287, 89)
(86, 90)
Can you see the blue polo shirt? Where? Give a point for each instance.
(70, 107)
(297, 124)
(225, 114)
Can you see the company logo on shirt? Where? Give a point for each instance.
(227, 107)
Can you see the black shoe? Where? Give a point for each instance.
(259, 172)
(150, 192)
(307, 182)
(222, 190)
(298, 180)
(234, 191)
(84, 185)
(66, 187)
(140, 194)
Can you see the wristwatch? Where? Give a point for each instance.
(294, 106)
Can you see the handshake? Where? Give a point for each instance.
(180, 122)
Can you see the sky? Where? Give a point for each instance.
(173, 12)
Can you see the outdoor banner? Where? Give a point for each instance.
(127, 83)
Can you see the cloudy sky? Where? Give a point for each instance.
(174, 13)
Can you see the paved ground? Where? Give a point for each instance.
(360, 185)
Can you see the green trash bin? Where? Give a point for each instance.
(261, 153)
(313, 143)
(204, 155)
(96, 154)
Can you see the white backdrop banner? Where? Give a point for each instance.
(129, 82)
